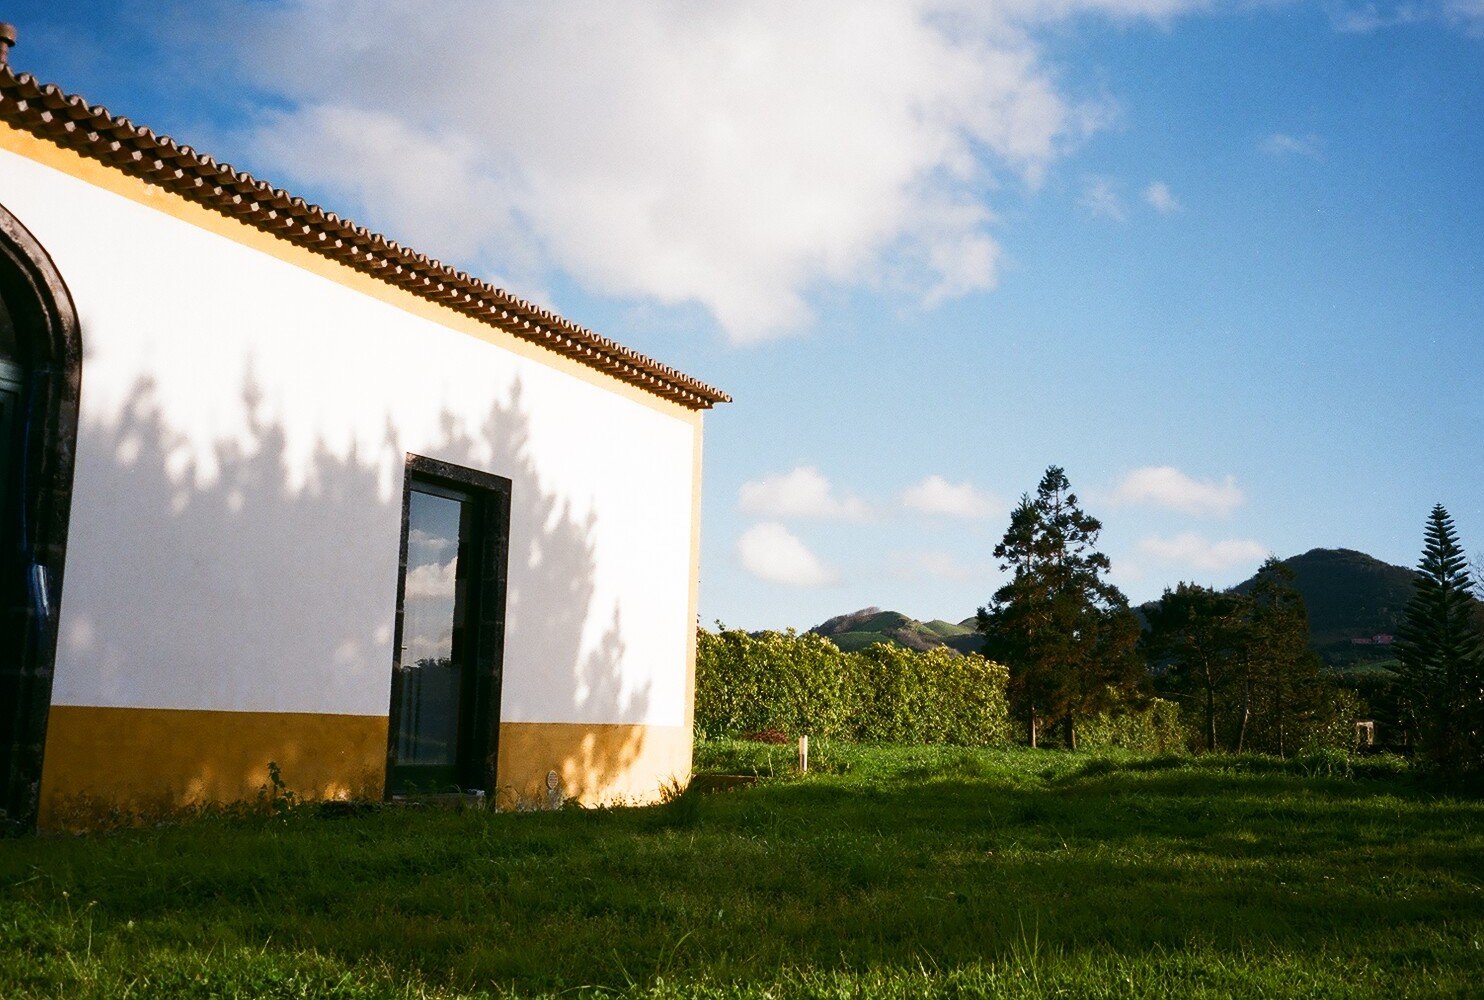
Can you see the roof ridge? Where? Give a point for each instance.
(68, 120)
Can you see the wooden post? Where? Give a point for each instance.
(803, 754)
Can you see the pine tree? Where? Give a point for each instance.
(1066, 634)
(1285, 693)
(1201, 634)
(1021, 611)
(1442, 654)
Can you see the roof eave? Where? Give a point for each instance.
(69, 121)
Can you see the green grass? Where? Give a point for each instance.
(1357, 667)
(907, 872)
(947, 630)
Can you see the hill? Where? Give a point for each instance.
(862, 628)
(1350, 596)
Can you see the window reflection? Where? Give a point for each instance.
(433, 618)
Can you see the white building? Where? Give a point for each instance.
(276, 489)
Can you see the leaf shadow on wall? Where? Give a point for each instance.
(242, 592)
(548, 603)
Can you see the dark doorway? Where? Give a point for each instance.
(40, 377)
(450, 634)
(12, 552)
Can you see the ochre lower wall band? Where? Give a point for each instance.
(148, 761)
(153, 760)
(595, 764)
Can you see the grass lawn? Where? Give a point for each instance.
(903, 872)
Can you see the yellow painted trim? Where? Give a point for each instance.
(596, 764)
(101, 175)
(154, 761)
(140, 763)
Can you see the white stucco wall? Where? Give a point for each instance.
(236, 514)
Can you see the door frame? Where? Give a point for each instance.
(479, 728)
(49, 342)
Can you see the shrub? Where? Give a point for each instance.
(794, 683)
(1151, 728)
(935, 696)
(775, 681)
(1333, 725)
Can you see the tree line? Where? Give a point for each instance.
(773, 686)
(1240, 663)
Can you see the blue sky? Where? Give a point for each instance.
(1224, 263)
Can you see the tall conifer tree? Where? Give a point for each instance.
(1201, 635)
(1286, 692)
(1065, 632)
(1442, 654)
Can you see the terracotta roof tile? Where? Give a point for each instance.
(68, 120)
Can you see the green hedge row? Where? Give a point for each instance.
(1152, 728)
(791, 683)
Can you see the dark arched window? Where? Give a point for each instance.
(40, 379)
(9, 351)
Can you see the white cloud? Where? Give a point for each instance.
(428, 645)
(431, 581)
(1161, 198)
(1100, 197)
(804, 492)
(1193, 551)
(429, 592)
(936, 495)
(1168, 487)
(1283, 144)
(740, 156)
(1466, 16)
(771, 552)
(424, 546)
(1362, 19)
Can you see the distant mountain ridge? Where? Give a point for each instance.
(860, 629)
(1350, 596)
